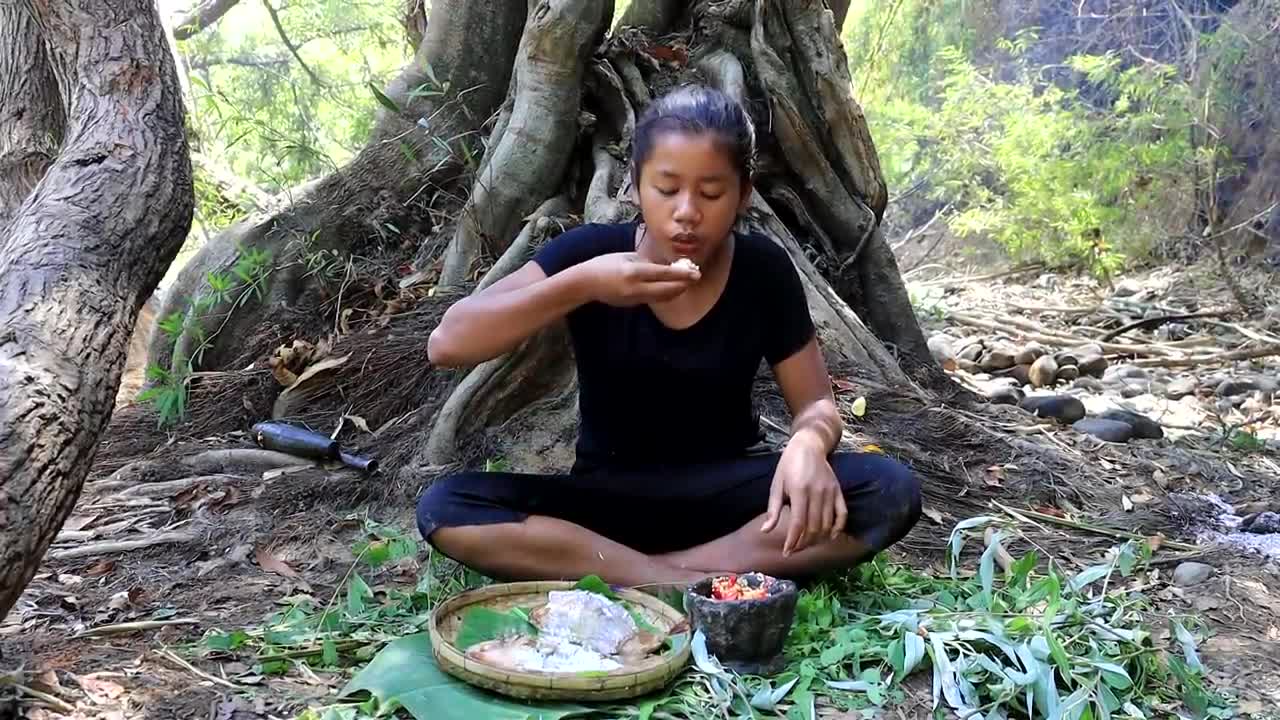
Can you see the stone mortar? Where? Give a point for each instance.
(746, 636)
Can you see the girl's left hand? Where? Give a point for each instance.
(805, 480)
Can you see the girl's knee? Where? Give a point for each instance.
(438, 502)
(887, 487)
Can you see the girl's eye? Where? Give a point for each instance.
(668, 192)
(712, 197)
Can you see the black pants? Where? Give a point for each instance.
(671, 508)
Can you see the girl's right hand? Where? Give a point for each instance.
(625, 279)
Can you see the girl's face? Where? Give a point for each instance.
(690, 195)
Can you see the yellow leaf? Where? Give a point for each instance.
(860, 407)
(872, 448)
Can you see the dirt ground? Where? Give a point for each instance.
(230, 548)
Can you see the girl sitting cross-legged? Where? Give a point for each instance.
(670, 317)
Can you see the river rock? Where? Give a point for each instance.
(1093, 385)
(1143, 426)
(997, 358)
(1043, 372)
(1181, 388)
(970, 352)
(1063, 408)
(1247, 384)
(1133, 390)
(1094, 364)
(1068, 373)
(1191, 573)
(1263, 523)
(1126, 288)
(1021, 373)
(968, 366)
(1006, 396)
(942, 346)
(1125, 372)
(1030, 353)
(1109, 430)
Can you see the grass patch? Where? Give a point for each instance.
(1031, 641)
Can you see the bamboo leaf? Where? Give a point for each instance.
(385, 101)
(1188, 642)
(914, 652)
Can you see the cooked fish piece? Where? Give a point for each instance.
(585, 618)
(540, 655)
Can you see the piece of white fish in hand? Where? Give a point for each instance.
(584, 618)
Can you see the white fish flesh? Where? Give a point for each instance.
(578, 631)
(584, 618)
(541, 655)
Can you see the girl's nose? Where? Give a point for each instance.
(686, 209)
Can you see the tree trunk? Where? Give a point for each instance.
(84, 248)
(31, 115)
(383, 195)
(556, 154)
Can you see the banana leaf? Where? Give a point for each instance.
(404, 674)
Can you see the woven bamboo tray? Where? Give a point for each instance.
(632, 680)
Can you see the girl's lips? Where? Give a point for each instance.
(684, 245)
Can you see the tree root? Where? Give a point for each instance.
(495, 390)
(535, 149)
(538, 225)
(115, 546)
(381, 186)
(251, 460)
(656, 16)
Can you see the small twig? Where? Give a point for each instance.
(1055, 520)
(275, 20)
(128, 627)
(52, 701)
(198, 672)
(340, 646)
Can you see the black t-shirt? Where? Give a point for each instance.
(650, 394)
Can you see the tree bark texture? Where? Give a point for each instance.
(81, 254)
(31, 113)
(529, 159)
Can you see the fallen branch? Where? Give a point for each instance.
(1032, 331)
(1023, 514)
(1061, 309)
(198, 672)
(1193, 360)
(128, 627)
(981, 278)
(1155, 322)
(115, 546)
